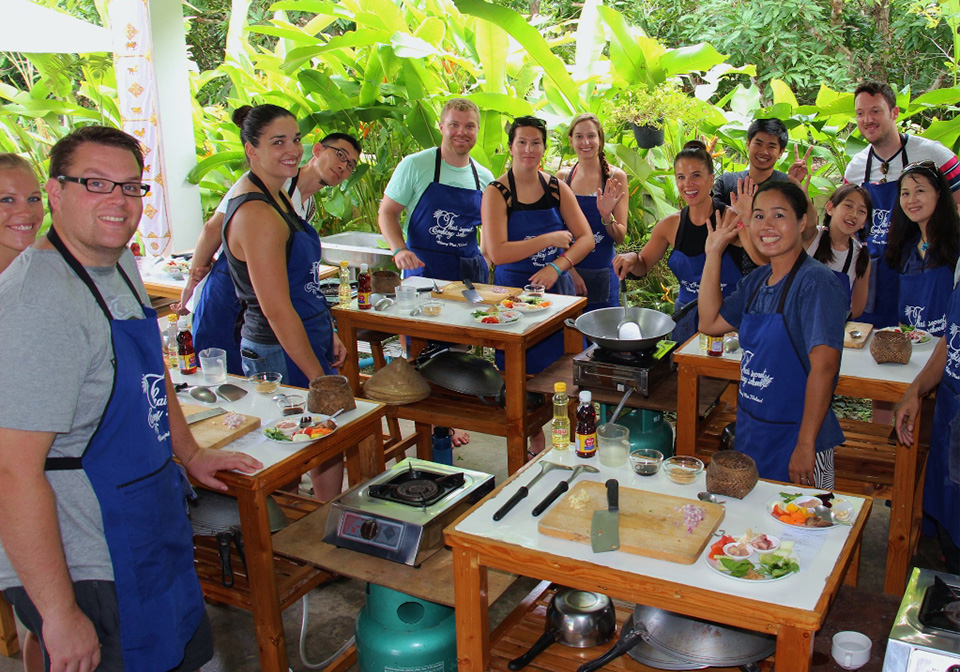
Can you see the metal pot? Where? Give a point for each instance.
(464, 373)
(576, 618)
(601, 326)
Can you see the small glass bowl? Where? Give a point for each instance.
(534, 290)
(267, 382)
(431, 307)
(683, 469)
(646, 461)
(292, 404)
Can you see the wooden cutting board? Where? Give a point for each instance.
(212, 433)
(863, 327)
(650, 523)
(454, 292)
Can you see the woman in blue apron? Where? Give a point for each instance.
(923, 243)
(686, 232)
(273, 257)
(790, 316)
(601, 193)
(839, 244)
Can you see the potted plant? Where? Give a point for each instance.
(646, 110)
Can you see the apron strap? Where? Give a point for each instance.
(569, 180)
(903, 158)
(473, 167)
(849, 260)
(285, 213)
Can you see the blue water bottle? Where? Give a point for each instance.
(442, 446)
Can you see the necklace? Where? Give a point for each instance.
(924, 245)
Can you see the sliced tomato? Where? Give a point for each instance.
(717, 548)
(490, 320)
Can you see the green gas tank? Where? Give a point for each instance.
(397, 632)
(648, 429)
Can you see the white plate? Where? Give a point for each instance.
(715, 564)
(319, 417)
(917, 336)
(525, 307)
(777, 500)
(504, 317)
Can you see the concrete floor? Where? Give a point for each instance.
(333, 608)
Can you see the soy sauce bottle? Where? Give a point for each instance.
(186, 356)
(363, 288)
(586, 426)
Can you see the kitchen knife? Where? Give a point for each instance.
(605, 526)
(470, 293)
(203, 415)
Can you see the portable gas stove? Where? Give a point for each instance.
(926, 633)
(603, 369)
(400, 514)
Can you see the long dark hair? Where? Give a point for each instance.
(252, 120)
(696, 150)
(943, 229)
(824, 252)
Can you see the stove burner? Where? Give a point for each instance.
(417, 487)
(638, 358)
(940, 609)
(417, 490)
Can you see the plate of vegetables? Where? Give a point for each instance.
(301, 428)
(796, 509)
(916, 336)
(753, 557)
(526, 303)
(495, 316)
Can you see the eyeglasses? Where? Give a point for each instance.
(536, 122)
(99, 185)
(344, 157)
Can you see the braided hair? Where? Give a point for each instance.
(824, 252)
(587, 116)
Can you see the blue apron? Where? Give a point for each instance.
(689, 270)
(941, 492)
(844, 276)
(442, 231)
(772, 382)
(924, 297)
(129, 461)
(596, 269)
(881, 308)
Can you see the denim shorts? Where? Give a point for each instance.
(266, 358)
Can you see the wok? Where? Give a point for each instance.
(601, 326)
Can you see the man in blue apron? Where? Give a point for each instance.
(878, 168)
(441, 190)
(96, 552)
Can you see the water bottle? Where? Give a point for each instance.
(344, 293)
(442, 446)
(560, 428)
(170, 346)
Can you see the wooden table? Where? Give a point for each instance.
(160, 284)
(861, 377)
(792, 609)
(359, 438)
(455, 325)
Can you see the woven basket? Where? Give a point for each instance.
(384, 282)
(732, 474)
(890, 347)
(328, 394)
(397, 383)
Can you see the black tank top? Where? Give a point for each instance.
(255, 324)
(691, 238)
(549, 200)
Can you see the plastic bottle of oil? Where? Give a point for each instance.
(170, 346)
(344, 294)
(561, 420)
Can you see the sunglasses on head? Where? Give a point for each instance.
(926, 166)
(529, 121)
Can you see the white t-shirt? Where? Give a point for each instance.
(414, 174)
(305, 210)
(918, 149)
(839, 257)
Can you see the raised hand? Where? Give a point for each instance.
(721, 232)
(608, 198)
(800, 171)
(741, 200)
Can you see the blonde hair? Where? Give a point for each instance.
(460, 105)
(10, 161)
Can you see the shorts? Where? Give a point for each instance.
(98, 600)
(260, 358)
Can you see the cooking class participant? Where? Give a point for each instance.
(441, 190)
(877, 168)
(217, 310)
(21, 207)
(923, 245)
(686, 231)
(790, 316)
(601, 192)
(534, 231)
(272, 255)
(73, 531)
(838, 244)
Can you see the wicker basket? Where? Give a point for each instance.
(384, 282)
(328, 394)
(732, 474)
(890, 347)
(397, 383)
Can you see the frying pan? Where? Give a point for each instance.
(602, 326)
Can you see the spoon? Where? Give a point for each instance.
(855, 334)
(825, 514)
(204, 394)
(710, 497)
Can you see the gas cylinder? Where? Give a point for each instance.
(648, 429)
(397, 632)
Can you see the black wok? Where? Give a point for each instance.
(602, 326)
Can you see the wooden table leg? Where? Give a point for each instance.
(905, 486)
(794, 649)
(264, 598)
(515, 374)
(688, 396)
(472, 612)
(351, 365)
(424, 440)
(366, 459)
(9, 644)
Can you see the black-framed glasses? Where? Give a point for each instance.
(344, 157)
(99, 185)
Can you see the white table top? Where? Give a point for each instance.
(151, 271)
(854, 362)
(264, 407)
(817, 551)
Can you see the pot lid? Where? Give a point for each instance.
(646, 654)
(214, 512)
(464, 373)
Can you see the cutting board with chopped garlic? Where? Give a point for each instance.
(218, 431)
(651, 524)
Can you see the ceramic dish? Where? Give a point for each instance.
(734, 558)
(526, 303)
(495, 317)
(916, 336)
(780, 510)
(755, 562)
(287, 429)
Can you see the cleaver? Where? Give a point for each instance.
(203, 415)
(470, 293)
(605, 526)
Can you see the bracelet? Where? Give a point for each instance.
(556, 268)
(613, 220)
(397, 251)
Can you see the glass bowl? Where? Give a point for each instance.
(267, 382)
(646, 461)
(431, 307)
(683, 469)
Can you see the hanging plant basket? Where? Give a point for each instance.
(648, 136)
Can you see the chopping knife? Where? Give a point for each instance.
(203, 415)
(605, 526)
(525, 489)
(562, 487)
(470, 293)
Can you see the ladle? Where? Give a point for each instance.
(204, 394)
(855, 334)
(525, 489)
(562, 487)
(710, 497)
(826, 514)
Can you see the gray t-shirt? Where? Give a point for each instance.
(58, 374)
